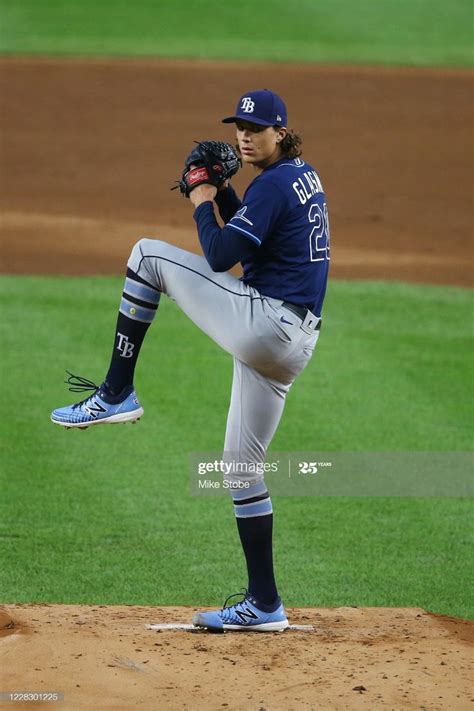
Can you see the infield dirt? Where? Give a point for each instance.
(105, 658)
(89, 152)
(91, 149)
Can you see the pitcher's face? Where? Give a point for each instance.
(259, 145)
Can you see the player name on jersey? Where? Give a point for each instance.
(307, 186)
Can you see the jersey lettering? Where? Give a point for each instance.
(307, 186)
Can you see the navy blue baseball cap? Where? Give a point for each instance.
(261, 106)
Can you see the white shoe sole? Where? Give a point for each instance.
(264, 627)
(112, 420)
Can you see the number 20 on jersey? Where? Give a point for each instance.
(319, 238)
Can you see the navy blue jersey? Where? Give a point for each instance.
(280, 231)
(284, 212)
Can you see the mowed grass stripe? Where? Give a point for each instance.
(413, 32)
(105, 515)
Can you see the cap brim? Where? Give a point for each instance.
(233, 119)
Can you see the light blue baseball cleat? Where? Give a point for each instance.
(99, 408)
(243, 616)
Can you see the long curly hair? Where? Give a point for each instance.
(291, 145)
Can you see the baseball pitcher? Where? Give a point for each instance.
(268, 320)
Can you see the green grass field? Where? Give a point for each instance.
(105, 515)
(411, 32)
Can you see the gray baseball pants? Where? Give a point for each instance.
(268, 353)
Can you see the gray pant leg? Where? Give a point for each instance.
(233, 314)
(268, 352)
(218, 303)
(255, 411)
(269, 346)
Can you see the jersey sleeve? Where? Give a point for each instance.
(222, 248)
(262, 208)
(228, 202)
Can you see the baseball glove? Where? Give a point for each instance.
(213, 162)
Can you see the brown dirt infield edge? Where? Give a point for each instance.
(90, 149)
(104, 657)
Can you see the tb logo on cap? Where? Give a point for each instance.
(247, 105)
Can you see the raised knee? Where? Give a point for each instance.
(143, 248)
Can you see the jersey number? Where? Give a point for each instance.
(319, 239)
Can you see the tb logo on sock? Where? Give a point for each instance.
(125, 346)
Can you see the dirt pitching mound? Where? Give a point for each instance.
(104, 657)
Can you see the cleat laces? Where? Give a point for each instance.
(243, 594)
(228, 613)
(78, 384)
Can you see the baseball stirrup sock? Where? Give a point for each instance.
(137, 310)
(254, 516)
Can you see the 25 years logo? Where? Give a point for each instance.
(312, 467)
(308, 467)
